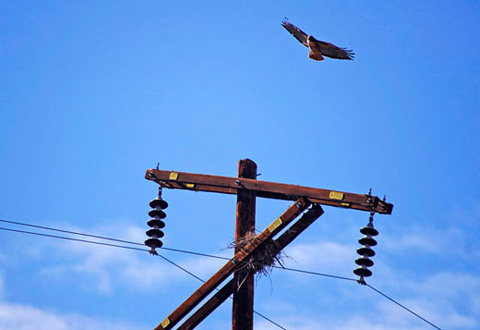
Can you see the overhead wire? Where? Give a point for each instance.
(117, 246)
(317, 274)
(71, 239)
(402, 306)
(163, 248)
(186, 252)
(107, 238)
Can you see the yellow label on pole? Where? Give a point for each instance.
(173, 176)
(275, 224)
(336, 195)
(346, 204)
(190, 185)
(165, 323)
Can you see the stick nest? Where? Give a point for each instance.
(262, 261)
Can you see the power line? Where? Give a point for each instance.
(326, 275)
(69, 232)
(186, 252)
(405, 308)
(318, 274)
(370, 286)
(71, 239)
(117, 246)
(163, 248)
(195, 253)
(107, 238)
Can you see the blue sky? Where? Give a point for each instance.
(94, 93)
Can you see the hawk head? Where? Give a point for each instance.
(311, 39)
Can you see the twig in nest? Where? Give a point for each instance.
(262, 261)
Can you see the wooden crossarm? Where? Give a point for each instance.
(265, 189)
(207, 308)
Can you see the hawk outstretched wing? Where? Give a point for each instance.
(296, 32)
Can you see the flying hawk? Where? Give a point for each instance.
(317, 47)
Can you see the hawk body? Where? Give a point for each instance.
(318, 48)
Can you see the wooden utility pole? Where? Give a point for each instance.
(242, 318)
(247, 188)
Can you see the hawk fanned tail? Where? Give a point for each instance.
(315, 56)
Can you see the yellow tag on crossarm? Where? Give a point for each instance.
(165, 323)
(173, 176)
(275, 224)
(336, 195)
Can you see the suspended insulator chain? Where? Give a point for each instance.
(366, 251)
(156, 223)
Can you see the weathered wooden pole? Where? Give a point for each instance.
(242, 318)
